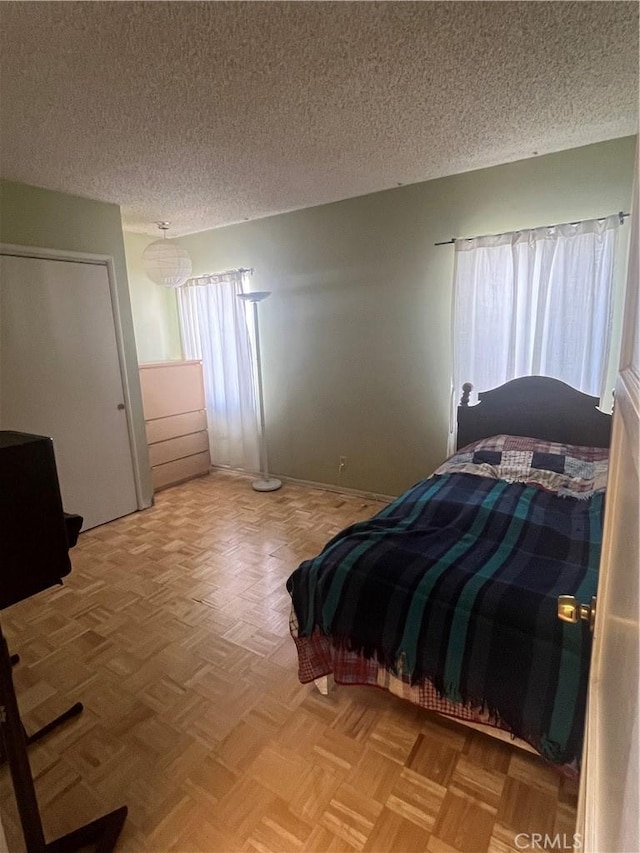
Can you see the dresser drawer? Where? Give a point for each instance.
(178, 448)
(179, 470)
(171, 389)
(174, 426)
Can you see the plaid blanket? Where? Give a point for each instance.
(456, 582)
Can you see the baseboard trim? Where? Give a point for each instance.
(341, 490)
(325, 487)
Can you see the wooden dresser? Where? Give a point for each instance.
(176, 421)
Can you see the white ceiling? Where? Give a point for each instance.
(211, 113)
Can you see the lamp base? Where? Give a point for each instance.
(268, 484)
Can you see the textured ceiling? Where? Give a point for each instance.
(211, 113)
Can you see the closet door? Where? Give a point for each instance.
(60, 376)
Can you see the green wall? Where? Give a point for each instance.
(155, 314)
(356, 336)
(31, 216)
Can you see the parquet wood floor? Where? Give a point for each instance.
(172, 629)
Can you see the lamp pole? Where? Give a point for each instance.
(265, 483)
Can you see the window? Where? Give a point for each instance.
(214, 328)
(534, 303)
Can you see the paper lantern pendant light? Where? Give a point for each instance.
(165, 261)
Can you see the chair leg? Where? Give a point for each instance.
(102, 833)
(71, 712)
(14, 748)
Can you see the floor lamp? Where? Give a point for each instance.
(265, 483)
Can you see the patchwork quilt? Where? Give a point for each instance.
(563, 469)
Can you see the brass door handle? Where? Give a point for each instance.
(570, 610)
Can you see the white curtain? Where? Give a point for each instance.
(214, 328)
(534, 302)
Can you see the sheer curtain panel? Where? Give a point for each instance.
(532, 303)
(214, 329)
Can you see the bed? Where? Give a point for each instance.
(448, 596)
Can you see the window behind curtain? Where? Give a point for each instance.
(534, 303)
(213, 323)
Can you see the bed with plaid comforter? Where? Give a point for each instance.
(455, 585)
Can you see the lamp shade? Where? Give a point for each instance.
(167, 263)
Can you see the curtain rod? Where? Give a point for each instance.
(621, 216)
(249, 270)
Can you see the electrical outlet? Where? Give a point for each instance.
(342, 463)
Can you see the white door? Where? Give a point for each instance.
(60, 377)
(609, 804)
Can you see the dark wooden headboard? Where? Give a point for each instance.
(536, 406)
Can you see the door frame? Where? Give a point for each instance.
(15, 250)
